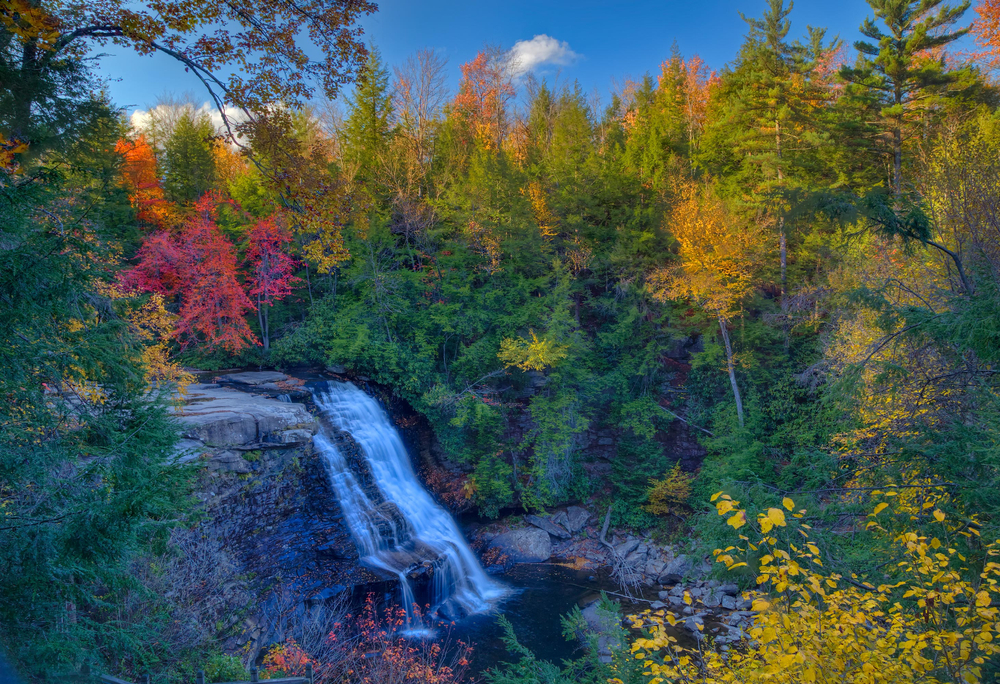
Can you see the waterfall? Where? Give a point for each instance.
(397, 526)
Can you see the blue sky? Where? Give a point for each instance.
(597, 41)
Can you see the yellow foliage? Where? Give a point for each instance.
(534, 354)
(153, 324)
(547, 221)
(669, 494)
(28, 21)
(720, 254)
(939, 623)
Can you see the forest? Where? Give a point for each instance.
(792, 260)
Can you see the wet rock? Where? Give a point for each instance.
(526, 545)
(336, 369)
(576, 518)
(295, 436)
(711, 600)
(253, 378)
(676, 570)
(728, 602)
(548, 525)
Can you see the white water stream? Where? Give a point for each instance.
(394, 521)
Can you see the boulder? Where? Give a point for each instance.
(253, 378)
(654, 568)
(546, 524)
(627, 547)
(559, 518)
(217, 416)
(676, 570)
(525, 545)
(336, 369)
(576, 518)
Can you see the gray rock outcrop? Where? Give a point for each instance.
(218, 417)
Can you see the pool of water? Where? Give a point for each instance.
(540, 595)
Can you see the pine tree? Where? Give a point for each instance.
(904, 67)
(367, 131)
(767, 120)
(189, 165)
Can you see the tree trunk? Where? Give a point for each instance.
(267, 330)
(897, 161)
(783, 247)
(732, 370)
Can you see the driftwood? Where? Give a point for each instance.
(629, 579)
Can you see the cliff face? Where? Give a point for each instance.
(267, 510)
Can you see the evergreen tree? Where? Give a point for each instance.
(904, 67)
(367, 130)
(189, 167)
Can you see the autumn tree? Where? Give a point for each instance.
(484, 96)
(271, 269)
(903, 66)
(140, 172)
(419, 94)
(986, 28)
(198, 268)
(720, 255)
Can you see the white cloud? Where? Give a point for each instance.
(528, 55)
(164, 116)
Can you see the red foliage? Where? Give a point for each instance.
(146, 189)
(271, 277)
(369, 648)
(198, 266)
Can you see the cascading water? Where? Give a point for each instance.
(396, 524)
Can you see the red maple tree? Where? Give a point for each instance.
(271, 267)
(198, 266)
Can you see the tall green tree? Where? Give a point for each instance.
(903, 66)
(368, 128)
(768, 117)
(189, 168)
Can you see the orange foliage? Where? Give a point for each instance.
(986, 29)
(286, 660)
(483, 94)
(140, 174)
